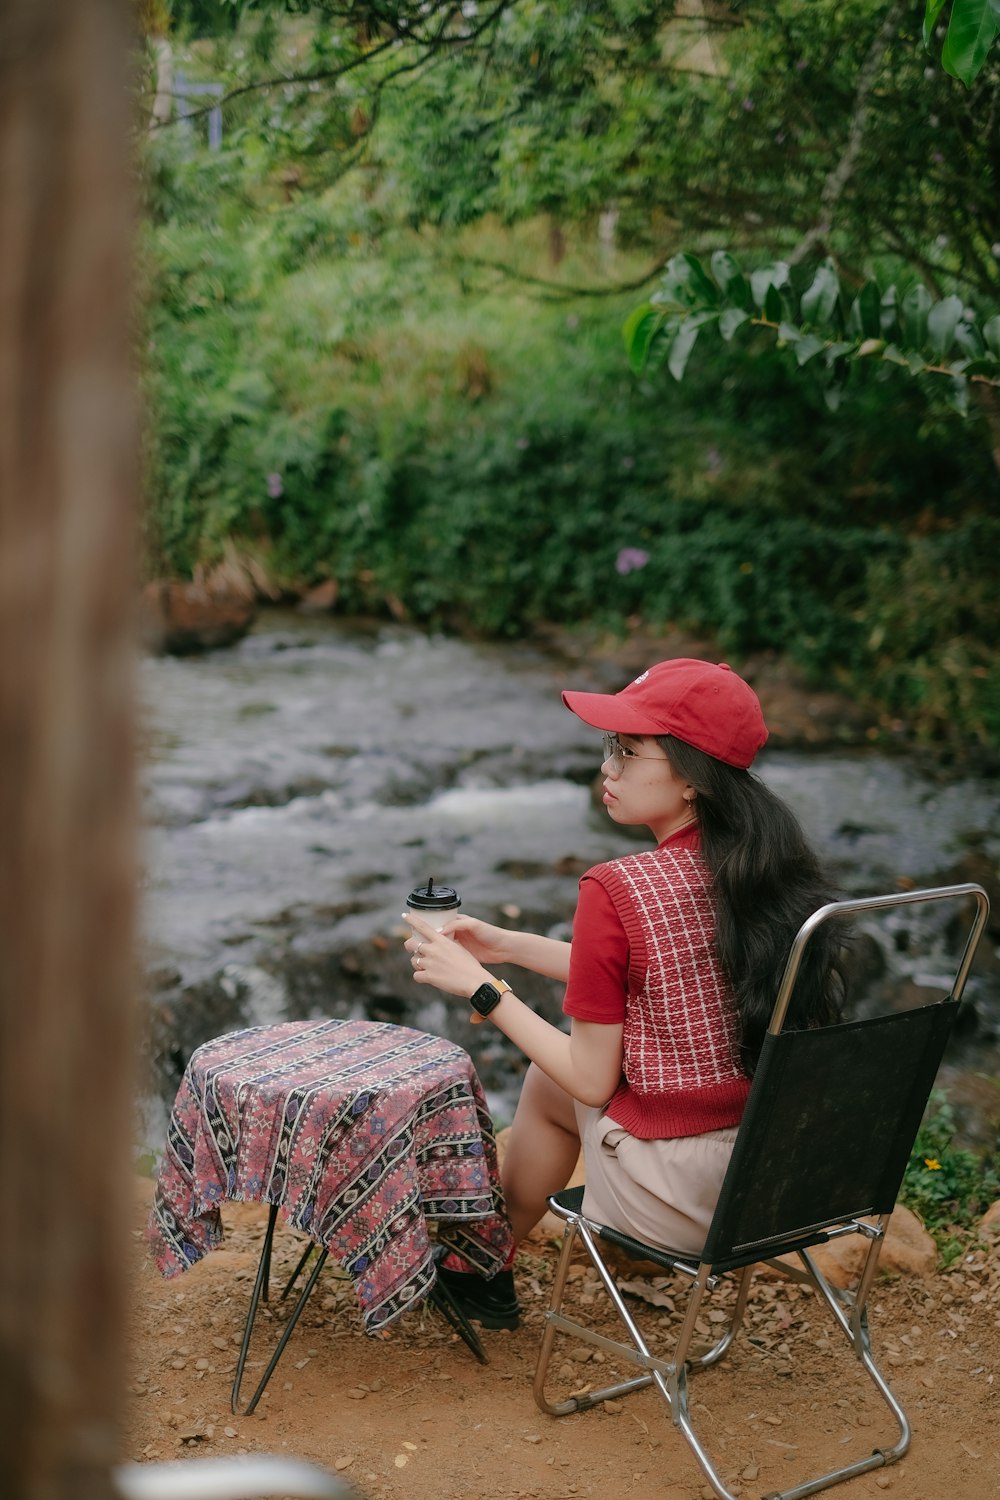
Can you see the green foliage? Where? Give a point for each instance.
(932, 620)
(205, 17)
(787, 122)
(973, 27)
(538, 107)
(947, 1185)
(810, 314)
(486, 463)
(339, 388)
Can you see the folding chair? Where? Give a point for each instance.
(825, 1139)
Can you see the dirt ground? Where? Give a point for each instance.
(412, 1416)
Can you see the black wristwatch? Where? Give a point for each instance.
(488, 996)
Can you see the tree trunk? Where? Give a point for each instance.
(67, 495)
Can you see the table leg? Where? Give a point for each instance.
(440, 1297)
(286, 1333)
(259, 1290)
(263, 1274)
(310, 1247)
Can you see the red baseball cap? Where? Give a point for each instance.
(703, 704)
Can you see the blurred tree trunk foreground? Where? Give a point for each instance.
(67, 491)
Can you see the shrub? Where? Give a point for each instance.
(327, 394)
(947, 1185)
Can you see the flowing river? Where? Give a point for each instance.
(297, 786)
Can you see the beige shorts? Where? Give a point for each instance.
(663, 1192)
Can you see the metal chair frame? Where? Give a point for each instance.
(849, 1309)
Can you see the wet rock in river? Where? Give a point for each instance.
(181, 618)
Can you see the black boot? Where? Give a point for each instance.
(493, 1302)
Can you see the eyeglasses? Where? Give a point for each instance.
(619, 755)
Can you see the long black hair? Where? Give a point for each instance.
(766, 880)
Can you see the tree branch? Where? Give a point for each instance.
(434, 47)
(839, 177)
(557, 290)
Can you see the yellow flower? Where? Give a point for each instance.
(932, 1164)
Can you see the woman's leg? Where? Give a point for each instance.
(542, 1150)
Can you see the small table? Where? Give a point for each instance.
(360, 1133)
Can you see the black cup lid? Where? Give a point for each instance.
(431, 897)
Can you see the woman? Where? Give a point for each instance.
(676, 956)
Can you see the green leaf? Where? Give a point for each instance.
(730, 319)
(685, 339)
(820, 299)
(788, 333)
(972, 30)
(767, 277)
(981, 367)
(958, 396)
(680, 349)
(807, 348)
(931, 12)
(916, 306)
(675, 284)
(730, 278)
(836, 351)
(685, 284)
(894, 356)
(889, 312)
(864, 319)
(700, 281)
(639, 330)
(991, 334)
(969, 339)
(774, 307)
(942, 320)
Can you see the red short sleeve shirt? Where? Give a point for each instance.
(599, 962)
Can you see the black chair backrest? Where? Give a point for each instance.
(832, 1113)
(828, 1129)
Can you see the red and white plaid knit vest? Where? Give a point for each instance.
(682, 1067)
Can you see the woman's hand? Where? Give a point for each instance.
(481, 939)
(439, 960)
(503, 945)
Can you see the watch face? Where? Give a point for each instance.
(485, 999)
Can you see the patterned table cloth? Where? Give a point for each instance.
(361, 1133)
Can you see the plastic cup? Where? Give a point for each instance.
(436, 904)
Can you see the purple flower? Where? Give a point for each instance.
(713, 459)
(630, 559)
(628, 462)
(521, 443)
(275, 488)
(748, 105)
